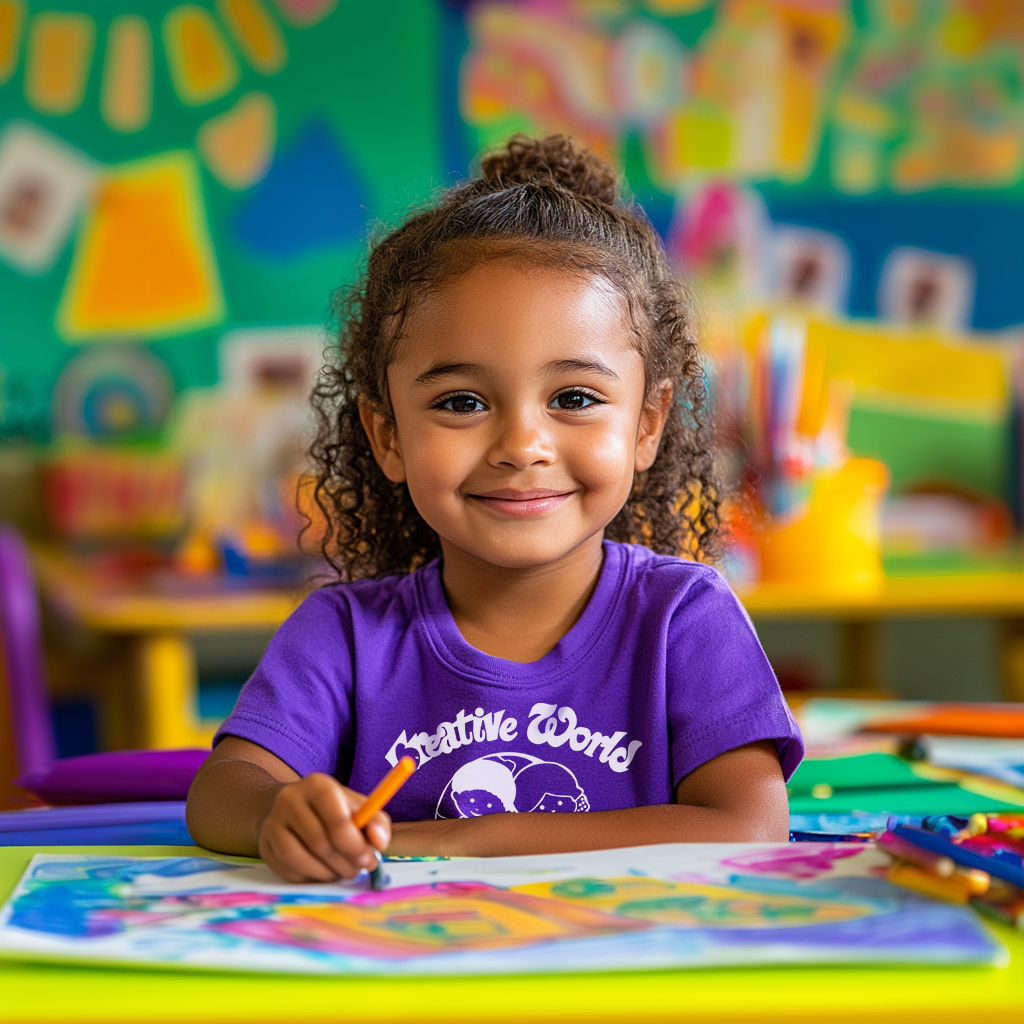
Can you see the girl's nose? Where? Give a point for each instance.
(522, 441)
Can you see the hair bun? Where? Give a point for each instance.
(553, 160)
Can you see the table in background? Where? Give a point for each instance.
(992, 589)
(727, 995)
(155, 704)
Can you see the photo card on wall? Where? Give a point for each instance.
(926, 289)
(44, 183)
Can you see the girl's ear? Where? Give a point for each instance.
(380, 430)
(652, 425)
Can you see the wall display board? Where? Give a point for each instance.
(172, 171)
(169, 171)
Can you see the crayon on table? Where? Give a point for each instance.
(902, 849)
(910, 876)
(995, 866)
(1004, 902)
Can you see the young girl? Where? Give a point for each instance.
(511, 457)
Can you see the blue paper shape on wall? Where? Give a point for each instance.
(312, 197)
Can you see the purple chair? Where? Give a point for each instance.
(127, 775)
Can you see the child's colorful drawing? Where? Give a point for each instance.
(642, 908)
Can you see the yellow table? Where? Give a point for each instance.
(38, 994)
(154, 705)
(991, 594)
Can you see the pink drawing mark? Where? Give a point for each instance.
(800, 862)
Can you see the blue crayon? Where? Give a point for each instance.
(996, 866)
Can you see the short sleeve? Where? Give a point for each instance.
(298, 702)
(721, 691)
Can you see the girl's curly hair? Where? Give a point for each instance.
(541, 201)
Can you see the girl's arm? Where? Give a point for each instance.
(246, 800)
(739, 796)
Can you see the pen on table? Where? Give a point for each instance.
(382, 793)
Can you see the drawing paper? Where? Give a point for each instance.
(681, 905)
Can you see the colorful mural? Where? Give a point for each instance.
(170, 171)
(295, 124)
(881, 95)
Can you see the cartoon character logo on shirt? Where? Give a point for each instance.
(511, 782)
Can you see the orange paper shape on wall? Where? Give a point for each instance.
(256, 33)
(238, 145)
(144, 265)
(126, 99)
(59, 54)
(12, 14)
(202, 66)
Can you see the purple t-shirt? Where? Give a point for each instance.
(661, 673)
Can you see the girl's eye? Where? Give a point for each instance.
(461, 403)
(573, 399)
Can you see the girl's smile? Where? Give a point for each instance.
(509, 502)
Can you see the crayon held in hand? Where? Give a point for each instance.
(384, 791)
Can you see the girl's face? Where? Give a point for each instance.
(519, 412)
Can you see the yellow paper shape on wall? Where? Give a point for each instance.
(237, 146)
(144, 265)
(202, 66)
(915, 371)
(12, 14)
(59, 54)
(126, 98)
(813, 40)
(257, 35)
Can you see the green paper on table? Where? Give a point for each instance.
(884, 783)
(861, 771)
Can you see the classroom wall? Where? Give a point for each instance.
(283, 133)
(889, 124)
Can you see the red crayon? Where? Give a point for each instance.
(903, 849)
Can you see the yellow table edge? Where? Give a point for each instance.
(69, 588)
(997, 594)
(32, 993)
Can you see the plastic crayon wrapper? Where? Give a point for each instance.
(944, 824)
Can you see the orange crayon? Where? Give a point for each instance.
(384, 791)
(958, 888)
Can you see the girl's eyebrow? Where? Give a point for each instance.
(445, 370)
(442, 370)
(593, 365)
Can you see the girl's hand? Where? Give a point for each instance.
(308, 835)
